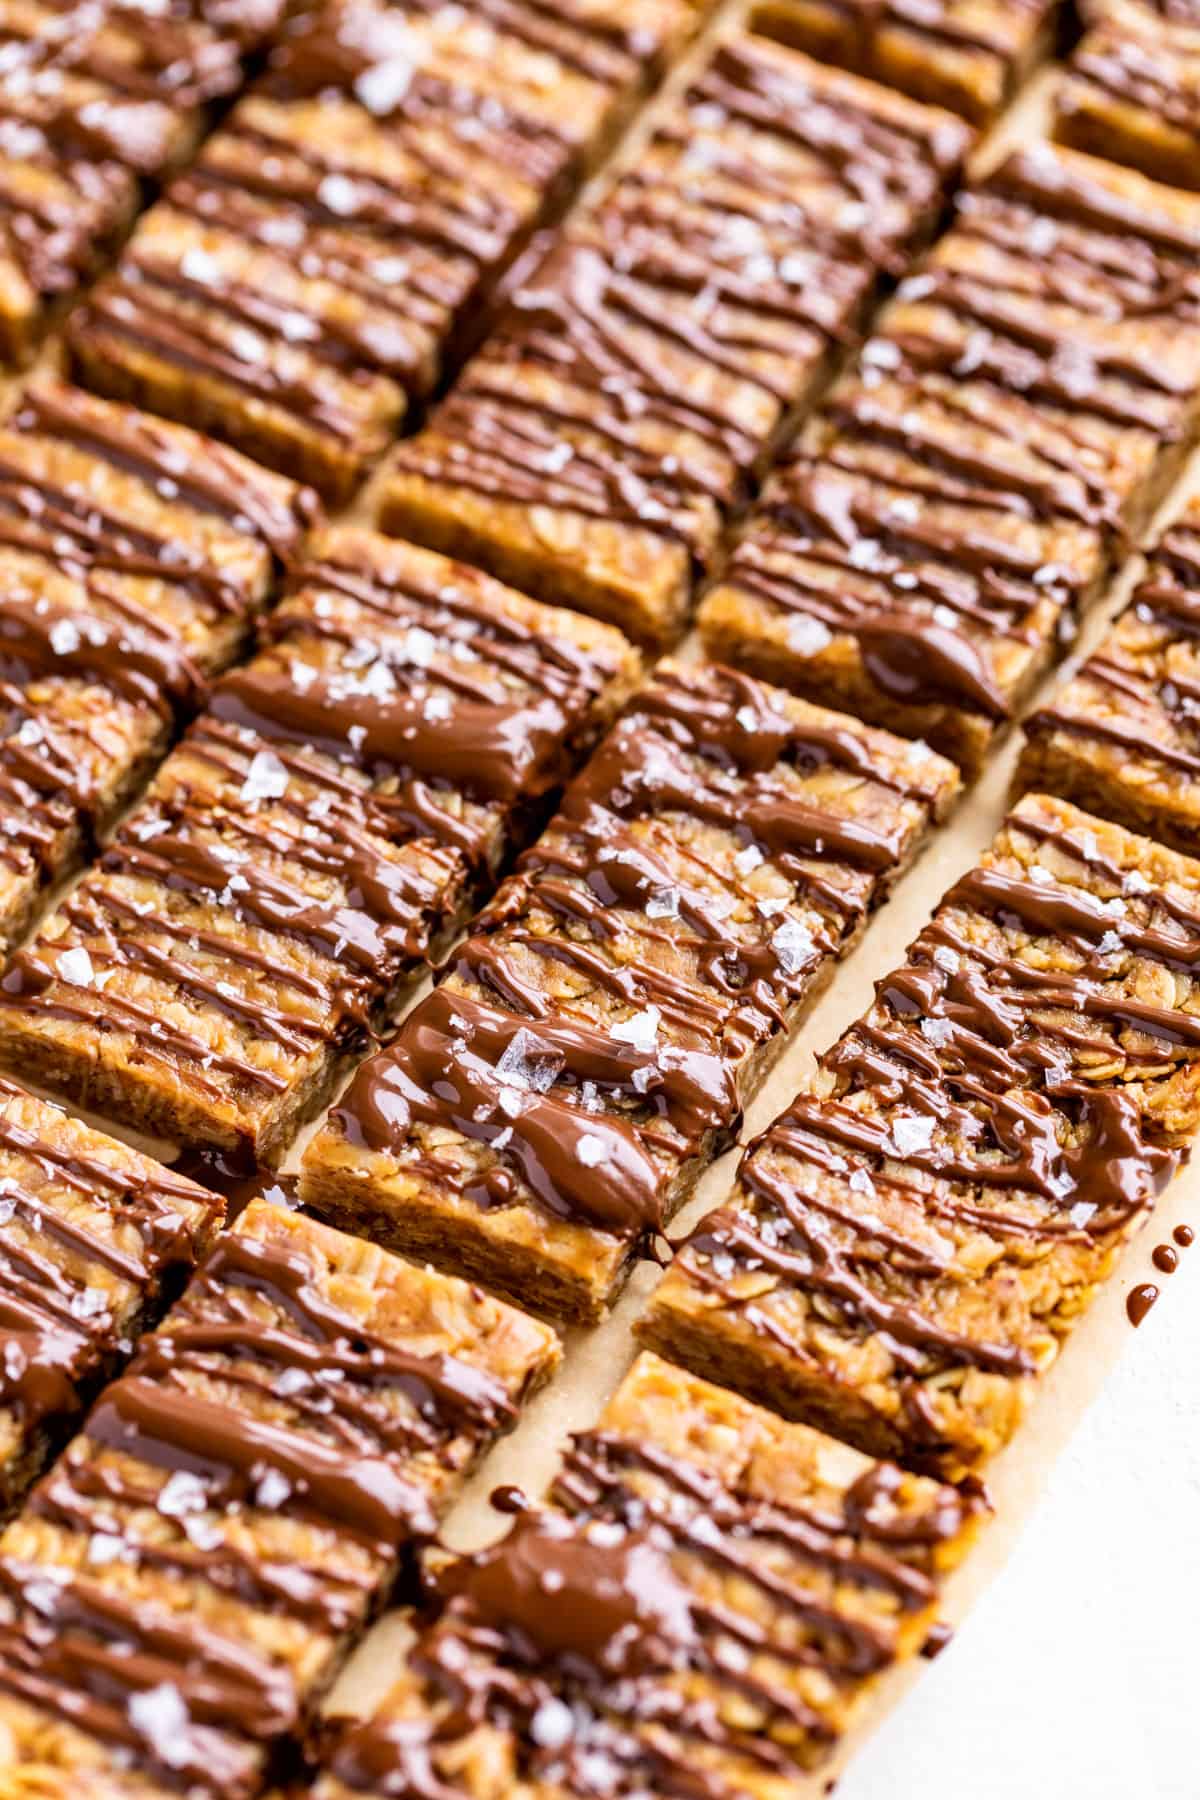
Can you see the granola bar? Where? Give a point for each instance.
(98, 97)
(726, 1590)
(1024, 403)
(1131, 91)
(179, 1590)
(646, 371)
(319, 833)
(93, 1237)
(969, 55)
(911, 1242)
(1120, 737)
(301, 282)
(547, 1108)
(134, 556)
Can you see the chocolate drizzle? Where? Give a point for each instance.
(340, 796)
(68, 1214)
(639, 377)
(93, 96)
(997, 1106)
(1138, 693)
(588, 1039)
(132, 550)
(329, 241)
(971, 479)
(262, 1394)
(686, 1611)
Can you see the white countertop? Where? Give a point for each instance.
(1075, 1676)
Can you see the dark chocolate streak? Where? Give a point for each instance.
(364, 875)
(55, 1341)
(1020, 1135)
(265, 181)
(630, 1575)
(660, 261)
(1139, 70)
(582, 1114)
(1143, 687)
(111, 636)
(931, 602)
(205, 1398)
(942, 24)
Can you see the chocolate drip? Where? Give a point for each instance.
(1146, 687)
(1137, 71)
(634, 1567)
(932, 602)
(659, 262)
(396, 248)
(293, 1404)
(59, 1333)
(967, 1090)
(410, 722)
(586, 1115)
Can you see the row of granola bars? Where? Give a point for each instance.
(715, 1582)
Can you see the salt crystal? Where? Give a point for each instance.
(75, 966)
(161, 1717)
(641, 1030)
(180, 1494)
(339, 194)
(911, 1134)
(382, 88)
(793, 945)
(89, 1303)
(663, 903)
(273, 1490)
(64, 637)
(527, 1064)
(807, 636)
(552, 1725)
(198, 265)
(266, 778)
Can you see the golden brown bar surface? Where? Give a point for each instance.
(319, 833)
(93, 1238)
(969, 55)
(911, 1242)
(644, 374)
(543, 1113)
(1025, 401)
(134, 556)
(302, 281)
(1121, 736)
(95, 100)
(726, 1590)
(180, 1589)
(1131, 91)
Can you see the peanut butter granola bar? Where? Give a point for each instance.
(593, 449)
(93, 1236)
(969, 55)
(699, 1613)
(1122, 736)
(96, 98)
(301, 281)
(178, 1592)
(913, 1239)
(1132, 89)
(320, 832)
(134, 556)
(545, 1110)
(1024, 403)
